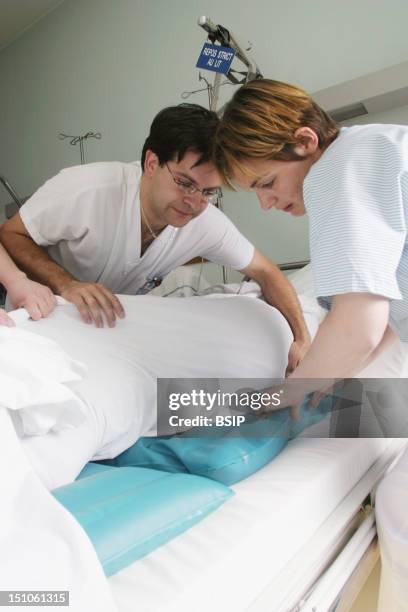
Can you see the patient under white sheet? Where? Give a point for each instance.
(237, 337)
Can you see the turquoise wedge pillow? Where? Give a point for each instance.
(226, 459)
(233, 456)
(128, 512)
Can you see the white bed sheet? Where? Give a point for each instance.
(224, 562)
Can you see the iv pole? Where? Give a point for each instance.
(80, 139)
(217, 33)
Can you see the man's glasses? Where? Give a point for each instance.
(210, 195)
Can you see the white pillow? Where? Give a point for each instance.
(168, 338)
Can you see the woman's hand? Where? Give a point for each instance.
(37, 299)
(5, 319)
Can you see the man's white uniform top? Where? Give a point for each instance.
(356, 197)
(88, 218)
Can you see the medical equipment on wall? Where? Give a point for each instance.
(12, 207)
(80, 139)
(19, 203)
(11, 191)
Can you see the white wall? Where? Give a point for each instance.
(110, 66)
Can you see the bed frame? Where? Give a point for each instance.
(352, 553)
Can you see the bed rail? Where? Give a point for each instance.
(293, 265)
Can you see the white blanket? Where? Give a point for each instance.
(34, 377)
(42, 547)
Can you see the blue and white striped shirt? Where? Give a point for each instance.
(356, 197)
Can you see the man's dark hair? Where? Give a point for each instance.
(178, 129)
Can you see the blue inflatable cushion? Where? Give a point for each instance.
(128, 512)
(226, 459)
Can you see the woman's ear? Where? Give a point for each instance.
(308, 141)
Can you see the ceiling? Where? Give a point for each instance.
(18, 15)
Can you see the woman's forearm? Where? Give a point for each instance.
(388, 339)
(334, 353)
(351, 332)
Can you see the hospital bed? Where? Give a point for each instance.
(293, 538)
(297, 535)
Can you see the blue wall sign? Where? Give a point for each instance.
(215, 58)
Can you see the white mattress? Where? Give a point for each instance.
(228, 559)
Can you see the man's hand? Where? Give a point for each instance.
(37, 299)
(297, 351)
(94, 300)
(5, 319)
